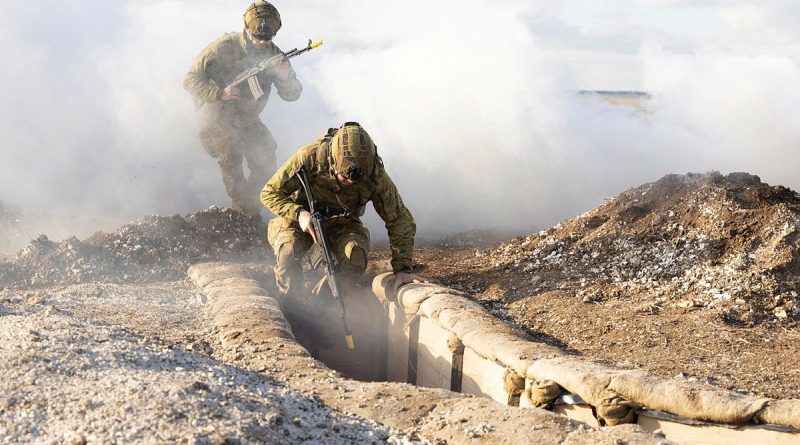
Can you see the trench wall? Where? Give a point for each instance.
(438, 338)
(255, 335)
(435, 337)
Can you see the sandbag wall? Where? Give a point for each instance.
(439, 338)
(254, 334)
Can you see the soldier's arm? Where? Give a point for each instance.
(276, 194)
(198, 83)
(399, 222)
(289, 88)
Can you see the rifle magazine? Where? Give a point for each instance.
(255, 87)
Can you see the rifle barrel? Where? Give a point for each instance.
(265, 63)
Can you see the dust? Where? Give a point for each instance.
(10, 227)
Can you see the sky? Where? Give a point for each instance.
(472, 103)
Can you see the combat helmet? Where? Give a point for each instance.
(262, 20)
(352, 152)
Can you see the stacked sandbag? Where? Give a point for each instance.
(615, 394)
(249, 319)
(239, 306)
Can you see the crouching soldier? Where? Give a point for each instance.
(344, 173)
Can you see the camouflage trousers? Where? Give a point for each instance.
(232, 140)
(349, 242)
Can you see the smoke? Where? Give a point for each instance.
(478, 120)
(472, 105)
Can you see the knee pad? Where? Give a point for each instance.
(356, 261)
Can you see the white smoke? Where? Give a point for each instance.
(472, 104)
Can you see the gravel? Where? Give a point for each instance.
(151, 248)
(77, 371)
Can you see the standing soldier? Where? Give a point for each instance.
(344, 174)
(231, 129)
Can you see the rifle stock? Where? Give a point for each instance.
(322, 240)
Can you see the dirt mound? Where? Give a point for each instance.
(481, 238)
(693, 276)
(151, 248)
(726, 244)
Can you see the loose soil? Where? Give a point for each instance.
(153, 248)
(693, 277)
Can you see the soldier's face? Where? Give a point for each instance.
(259, 43)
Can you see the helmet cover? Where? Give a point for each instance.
(353, 152)
(262, 20)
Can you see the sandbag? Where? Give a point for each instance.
(383, 286)
(615, 410)
(540, 394)
(411, 296)
(205, 273)
(780, 412)
(687, 399)
(513, 385)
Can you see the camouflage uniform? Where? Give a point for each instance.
(232, 130)
(342, 207)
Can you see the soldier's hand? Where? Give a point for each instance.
(304, 219)
(282, 68)
(230, 92)
(403, 278)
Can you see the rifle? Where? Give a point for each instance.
(322, 240)
(250, 74)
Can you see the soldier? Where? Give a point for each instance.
(345, 173)
(231, 129)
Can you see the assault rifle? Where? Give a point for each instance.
(250, 74)
(322, 239)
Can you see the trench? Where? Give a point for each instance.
(434, 337)
(317, 325)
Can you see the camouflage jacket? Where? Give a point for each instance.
(222, 60)
(283, 196)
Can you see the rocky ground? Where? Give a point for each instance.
(104, 340)
(137, 363)
(153, 248)
(109, 328)
(693, 276)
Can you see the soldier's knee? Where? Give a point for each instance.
(287, 256)
(356, 262)
(288, 269)
(217, 139)
(229, 159)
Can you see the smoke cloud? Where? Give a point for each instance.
(472, 105)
